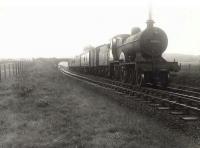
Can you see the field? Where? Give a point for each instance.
(188, 75)
(190, 69)
(45, 109)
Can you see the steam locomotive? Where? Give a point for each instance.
(134, 58)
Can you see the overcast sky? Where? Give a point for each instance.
(61, 28)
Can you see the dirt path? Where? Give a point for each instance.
(50, 110)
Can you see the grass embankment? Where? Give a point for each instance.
(187, 78)
(47, 110)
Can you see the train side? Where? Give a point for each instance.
(134, 58)
(100, 61)
(94, 61)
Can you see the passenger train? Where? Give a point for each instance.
(134, 58)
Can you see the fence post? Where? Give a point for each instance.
(18, 67)
(5, 71)
(22, 66)
(0, 72)
(9, 70)
(15, 68)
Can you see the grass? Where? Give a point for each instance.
(188, 75)
(188, 79)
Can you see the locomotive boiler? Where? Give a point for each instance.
(150, 43)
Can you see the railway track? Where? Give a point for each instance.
(185, 89)
(197, 89)
(179, 103)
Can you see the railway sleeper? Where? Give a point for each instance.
(177, 112)
(120, 93)
(145, 101)
(154, 104)
(192, 112)
(163, 108)
(190, 118)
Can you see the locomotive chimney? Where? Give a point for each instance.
(150, 22)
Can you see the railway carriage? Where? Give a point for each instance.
(75, 63)
(102, 62)
(85, 64)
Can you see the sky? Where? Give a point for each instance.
(62, 28)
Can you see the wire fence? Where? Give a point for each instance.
(10, 70)
(190, 68)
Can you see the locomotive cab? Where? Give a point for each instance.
(116, 42)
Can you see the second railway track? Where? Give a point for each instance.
(186, 106)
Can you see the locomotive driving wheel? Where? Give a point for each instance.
(139, 78)
(116, 72)
(133, 76)
(164, 79)
(123, 74)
